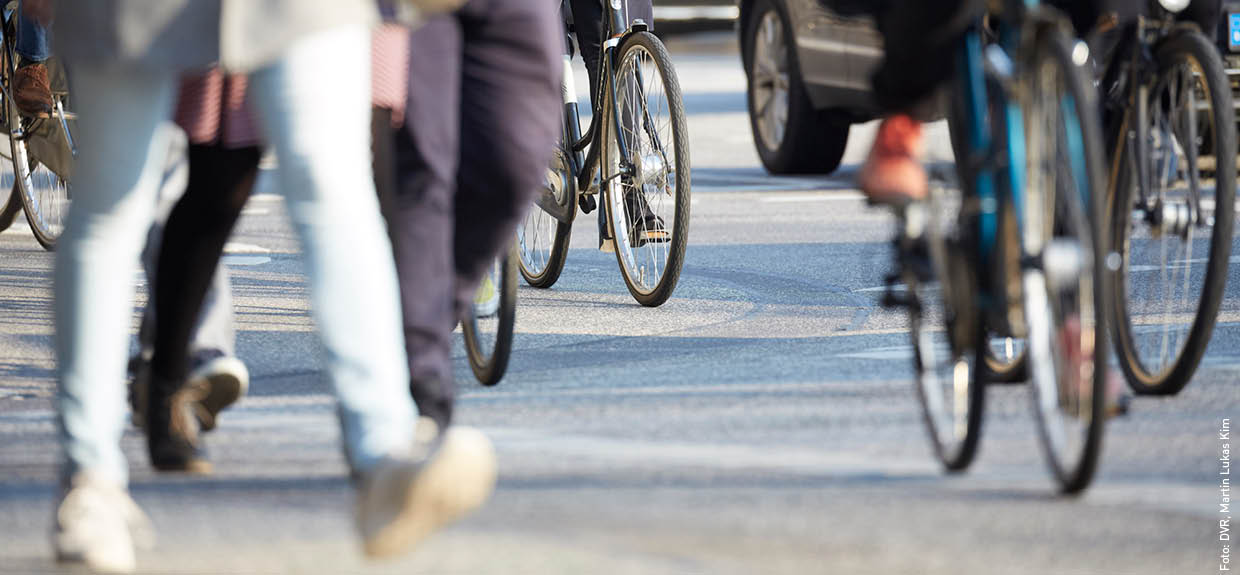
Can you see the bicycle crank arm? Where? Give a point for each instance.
(547, 202)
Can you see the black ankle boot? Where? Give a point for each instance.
(172, 430)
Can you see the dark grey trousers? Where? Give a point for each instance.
(482, 119)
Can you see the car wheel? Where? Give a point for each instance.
(790, 134)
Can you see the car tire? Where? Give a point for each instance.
(801, 139)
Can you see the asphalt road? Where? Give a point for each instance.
(762, 421)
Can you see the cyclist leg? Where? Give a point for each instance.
(510, 121)
(32, 91)
(421, 218)
(920, 37)
(588, 19)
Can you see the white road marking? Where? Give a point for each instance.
(239, 248)
(896, 288)
(897, 352)
(1195, 261)
(810, 198)
(237, 260)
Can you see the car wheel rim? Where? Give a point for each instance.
(770, 81)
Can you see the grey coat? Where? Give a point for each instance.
(241, 35)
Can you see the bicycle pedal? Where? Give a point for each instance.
(587, 202)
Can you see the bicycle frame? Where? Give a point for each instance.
(1134, 63)
(583, 167)
(996, 184)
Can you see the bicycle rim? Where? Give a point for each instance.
(45, 197)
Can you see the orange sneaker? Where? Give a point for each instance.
(893, 173)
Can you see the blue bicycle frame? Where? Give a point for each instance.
(995, 183)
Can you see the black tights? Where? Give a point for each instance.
(220, 180)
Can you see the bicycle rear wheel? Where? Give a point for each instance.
(488, 340)
(1177, 242)
(542, 240)
(1062, 279)
(648, 202)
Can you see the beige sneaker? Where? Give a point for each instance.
(98, 526)
(401, 502)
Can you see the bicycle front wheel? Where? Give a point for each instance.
(949, 346)
(647, 193)
(488, 332)
(1062, 277)
(1176, 241)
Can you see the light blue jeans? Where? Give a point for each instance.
(320, 131)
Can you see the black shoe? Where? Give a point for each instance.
(172, 428)
(644, 226)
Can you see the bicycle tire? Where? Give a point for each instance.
(657, 294)
(953, 444)
(1073, 469)
(12, 206)
(1186, 45)
(538, 222)
(489, 369)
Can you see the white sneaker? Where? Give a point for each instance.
(402, 501)
(98, 526)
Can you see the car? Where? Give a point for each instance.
(685, 10)
(808, 70)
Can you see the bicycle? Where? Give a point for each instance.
(641, 158)
(1016, 252)
(41, 148)
(1172, 197)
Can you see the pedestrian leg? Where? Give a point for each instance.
(325, 175)
(423, 214)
